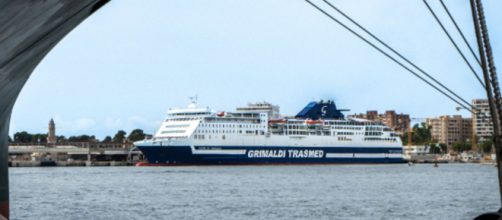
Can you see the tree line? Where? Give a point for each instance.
(121, 136)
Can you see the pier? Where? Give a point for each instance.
(71, 155)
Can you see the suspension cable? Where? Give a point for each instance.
(396, 52)
(453, 42)
(460, 32)
(387, 55)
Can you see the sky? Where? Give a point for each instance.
(126, 65)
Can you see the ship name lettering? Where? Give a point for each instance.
(285, 153)
(266, 153)
(305, 153)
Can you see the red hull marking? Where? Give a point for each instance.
(4, 210)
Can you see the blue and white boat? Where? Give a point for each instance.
(256, 134)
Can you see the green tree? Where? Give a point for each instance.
(107, 139)
(420, 135)
(10, 139)
(444, 147)
(136, 135)
(23, 137)
(486, 146)
(119, 137)
(461, 146)
(434, 148)
(39, 138)
(82, 138)
(61, 139)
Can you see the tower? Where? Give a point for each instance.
(51, 137)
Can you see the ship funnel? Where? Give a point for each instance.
(320, 110)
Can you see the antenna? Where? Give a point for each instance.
(193, 99)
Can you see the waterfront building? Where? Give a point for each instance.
(481, 119)
(416, 150)
(400, 123)
(51, 136)
(450, 129)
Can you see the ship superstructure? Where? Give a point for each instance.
(318, 134)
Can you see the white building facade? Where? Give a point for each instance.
(481, 120)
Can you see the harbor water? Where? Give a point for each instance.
(399, 191)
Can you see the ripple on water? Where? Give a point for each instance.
(453, 191)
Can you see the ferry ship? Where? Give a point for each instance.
(257, 134)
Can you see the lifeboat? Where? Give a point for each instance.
(277, 121)
(314, 122)
(220, 114)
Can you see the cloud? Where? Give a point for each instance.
(112, 125)
(81, 125)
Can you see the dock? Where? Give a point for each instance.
(71, 155)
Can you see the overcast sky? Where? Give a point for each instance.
(125, 66)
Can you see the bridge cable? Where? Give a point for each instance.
(390, 57)
(454, 43)
(460, 32)
(395, 52)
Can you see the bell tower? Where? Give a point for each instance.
(51, 137)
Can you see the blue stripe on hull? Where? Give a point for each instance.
(183, 155)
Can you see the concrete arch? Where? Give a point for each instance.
(28, 31)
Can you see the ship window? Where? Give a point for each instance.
(173, 131)
(177, 126)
